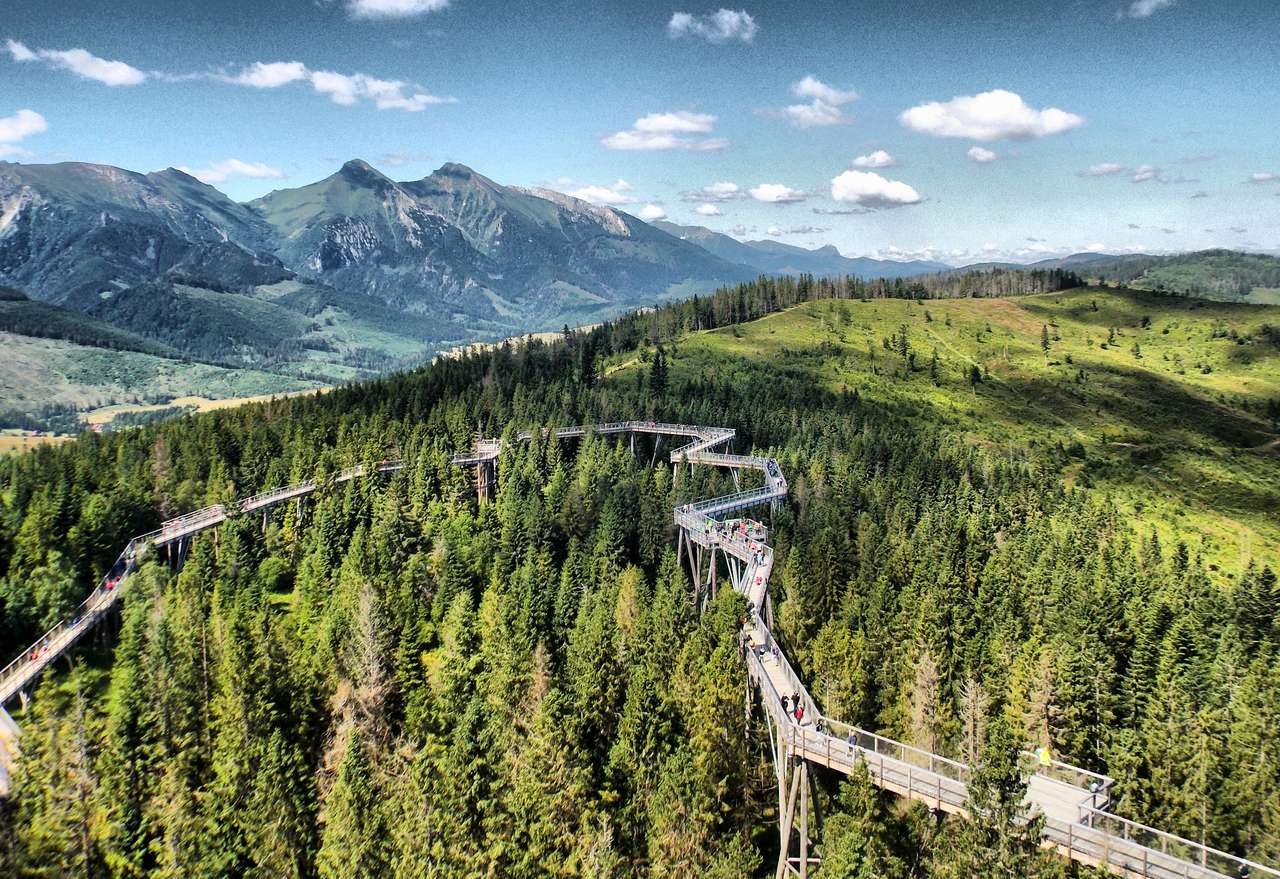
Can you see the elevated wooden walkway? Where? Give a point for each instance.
(1072, 800)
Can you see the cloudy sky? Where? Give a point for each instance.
(952, 129)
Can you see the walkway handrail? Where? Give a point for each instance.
(86, 609)
(1170, 844)
(27, 665)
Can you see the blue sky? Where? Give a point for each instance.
(994, 129)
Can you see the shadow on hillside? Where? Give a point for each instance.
(1146, 402)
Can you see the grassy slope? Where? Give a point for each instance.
(1190, 451)
(1227, 275)
(42, 320)
(36, 372)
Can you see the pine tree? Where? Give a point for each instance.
(353, 839)
(999, 839)
(658, 374)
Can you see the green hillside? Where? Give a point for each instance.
(291, 327)
(45, 382)
(162, 340)
(26, 317)
(1171, 404)
(1210, 274)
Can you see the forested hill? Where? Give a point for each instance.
(1228, 275)
(402, 683)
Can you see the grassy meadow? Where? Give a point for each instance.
(1161, 401)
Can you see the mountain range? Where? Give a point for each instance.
(476, 257)
(777, 258)
(357, 274)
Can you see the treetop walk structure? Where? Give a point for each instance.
(1073, 801)
(174, 537)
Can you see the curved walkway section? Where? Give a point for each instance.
(1072, 800)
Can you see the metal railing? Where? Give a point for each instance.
(1098, 837)
(1188, 853)
(28, 664)
(19, 673)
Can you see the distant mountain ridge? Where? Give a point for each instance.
(479, 258)
(778, 258)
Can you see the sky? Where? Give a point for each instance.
(954, 130)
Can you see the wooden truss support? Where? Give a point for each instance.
(797, 853)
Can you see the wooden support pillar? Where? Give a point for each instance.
(697, 575)
(785, 823)
(804, 819)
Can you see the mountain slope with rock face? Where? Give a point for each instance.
(458, 243)
(479, 258)
(74, 233)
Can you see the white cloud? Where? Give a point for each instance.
(638, 140)
(738, 230)
(809, 87)
(651, 212)
(823, 108)
(1143, 173)
(871, 191)
(602, 195)
(814, 115)
(1147, 8)
(393, 8)
(341, 88)
(1104, 169)
(219, 172)
(20, 126)
(667, 131)
(679, 122)
(271, 75)
(1263, 177)
(19, 51)
(877, 159)
(717, 192)
(777, 193)
(622, 185)
(403, 157)
(721, 26)
(993, 115)
(797, 230)
(80, 62)
(981, 155)
(708, 210)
